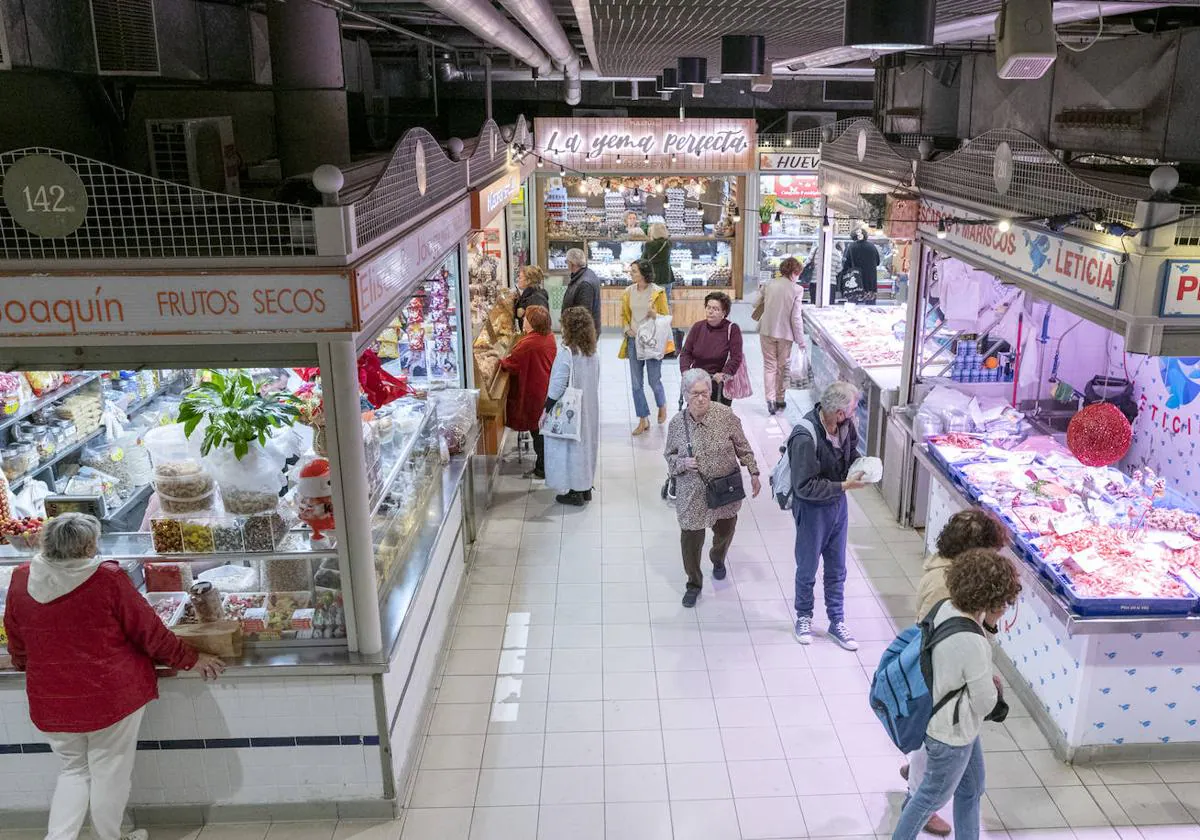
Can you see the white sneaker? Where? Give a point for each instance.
(803, 632)
(136, 834)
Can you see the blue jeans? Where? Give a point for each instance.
(636, 368)
(821, 536)
(952, 772)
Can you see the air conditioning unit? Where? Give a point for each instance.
(125, 37)
(763, 83)
(197, 153)
(1025, 41)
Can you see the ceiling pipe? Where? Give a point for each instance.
(482, 19)
(348, 11)
(979, 27)
(541, 22)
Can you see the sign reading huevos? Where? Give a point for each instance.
(1085, 270)
(699, 145)
(801, 160)
(1181, 289)
(383, 278)
(90, 305)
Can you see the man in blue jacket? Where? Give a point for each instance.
(820, 464)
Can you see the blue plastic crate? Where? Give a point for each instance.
(1110, 607)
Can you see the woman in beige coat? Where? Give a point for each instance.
(967, 529)
(780, 322)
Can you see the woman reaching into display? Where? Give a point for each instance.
(641, 304)
(714, 345)
(705, 442)
(529, 365)
(530, 280)
(571, 464)
(88, 644)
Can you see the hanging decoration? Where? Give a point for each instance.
(1099, 435)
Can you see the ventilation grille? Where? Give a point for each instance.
(126, 40)
(169, 156)
(1025, 67)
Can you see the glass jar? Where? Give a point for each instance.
(10, 462)
(67, 431)
(45, 442)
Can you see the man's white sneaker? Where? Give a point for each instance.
(840, 633)
(803, 632)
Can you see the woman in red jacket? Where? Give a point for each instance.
(88, 642)
(529, 363)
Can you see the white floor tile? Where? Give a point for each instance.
(437, 824)
(577, 822)
(643, 820)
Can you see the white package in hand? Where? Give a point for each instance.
(871, 468)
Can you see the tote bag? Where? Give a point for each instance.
(654, 338)
(563, 420)
(737, 387)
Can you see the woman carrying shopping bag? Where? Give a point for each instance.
(571, 425)
(715, 345)
(646, 340)
(777, 308)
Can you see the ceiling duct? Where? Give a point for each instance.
(449, 71)
(541, 22)
(482, 20)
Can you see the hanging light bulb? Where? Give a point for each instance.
(541, 163)
(788, 141)
(778, 216)
(674, 158)
(658, 187)
(646, 159)
(618, 160)
(562, 171)
(825, 222)
(941, 230)
(637, 192)
(736, 214)
(1004, 225)
(621, 188)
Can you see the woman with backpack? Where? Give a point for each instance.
(982, 585)
(966, 530)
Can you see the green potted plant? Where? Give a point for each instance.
(765, 211)
(238, 423)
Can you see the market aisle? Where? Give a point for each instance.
(581, 701)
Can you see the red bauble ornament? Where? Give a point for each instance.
(1099, 435)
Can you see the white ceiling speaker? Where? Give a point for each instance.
(1025, 42)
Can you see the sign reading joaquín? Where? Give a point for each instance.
(647, 145)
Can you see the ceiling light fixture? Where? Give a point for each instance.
(744, 55)
(1004, 225)
(889, 24)
(693, 70)
(941, 231)
(670, 79)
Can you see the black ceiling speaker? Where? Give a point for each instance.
(889, 24)
(670, 79)
(693, 70)
(744, 55)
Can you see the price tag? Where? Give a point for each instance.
(1058, 556)
(1175, 540)
(1069, 524)
(1089, 560)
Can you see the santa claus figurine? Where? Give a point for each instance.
(315, 496)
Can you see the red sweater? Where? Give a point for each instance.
(529, 363)
(715, 349)
(88, 656)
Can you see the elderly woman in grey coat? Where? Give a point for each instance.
(571, 464)
(705, 441)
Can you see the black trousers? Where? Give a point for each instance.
(692, 544)
(539, 450)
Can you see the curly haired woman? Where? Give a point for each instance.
(571, 464)
(983, 584)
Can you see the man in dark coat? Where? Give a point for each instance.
(583, 288)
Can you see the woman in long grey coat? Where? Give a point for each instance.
(571, 464)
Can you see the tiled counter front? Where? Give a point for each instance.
(237, 742)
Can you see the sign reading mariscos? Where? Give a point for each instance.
(1085, 270)
(587, 143)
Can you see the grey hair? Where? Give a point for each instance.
(576, 256)
(658, 231)
(839, 396)
(70, 536)
(691, 376)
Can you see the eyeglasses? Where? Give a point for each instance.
(695, 395)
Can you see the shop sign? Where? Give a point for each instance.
(1085, 270)
(1181, 289)
(796, 186)
(699, 145)
(378, 282)
(488, 201)
(44, 306)
(802, 160)
(45, 196)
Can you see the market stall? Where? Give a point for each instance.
(1043, 381)
(790, 214)
(323, 564)
(603, 183)
(862, 345)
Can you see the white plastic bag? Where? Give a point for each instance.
(653, 336)
(871, 468)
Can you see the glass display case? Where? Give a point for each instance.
(790, 212)
(423, 342)
(697, 262)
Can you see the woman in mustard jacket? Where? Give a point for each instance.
(642, 302)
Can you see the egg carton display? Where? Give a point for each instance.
(600, 253)
(557, 258)
(556, 203)
(614, 209)
(576, 210)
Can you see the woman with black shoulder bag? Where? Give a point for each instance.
(705, 451)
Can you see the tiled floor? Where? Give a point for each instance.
(580, 701)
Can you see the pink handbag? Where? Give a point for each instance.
(737, 387)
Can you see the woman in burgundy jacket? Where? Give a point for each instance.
(714, 344)
(88, 643)
(529, 365)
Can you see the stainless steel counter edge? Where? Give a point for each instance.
(331, 661)
(1075, 625)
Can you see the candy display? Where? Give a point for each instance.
(168, 606)
(168, 577)
(20, 533)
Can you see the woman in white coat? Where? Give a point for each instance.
(571, 464)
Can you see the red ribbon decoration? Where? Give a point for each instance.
(379, 386)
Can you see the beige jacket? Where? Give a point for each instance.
(933, 585)
(781, 318)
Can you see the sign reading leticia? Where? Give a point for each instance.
(699, 145)
(1084, 270)
(93, 305)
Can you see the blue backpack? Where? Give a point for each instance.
(900, 689)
